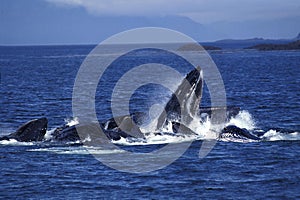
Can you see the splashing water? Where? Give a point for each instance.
(243, 120)
(202, 129)
(273, 135)
(72, 122)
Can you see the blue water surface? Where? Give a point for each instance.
(38, 81)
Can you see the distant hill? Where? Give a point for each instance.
(298, 37)
(193, 47)
(242, 44)
(267, 47)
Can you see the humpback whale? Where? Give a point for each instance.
(31, 131)
(179, 111)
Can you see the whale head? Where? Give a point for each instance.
(33, 130)
(185, 101)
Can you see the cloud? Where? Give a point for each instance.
(204, 11)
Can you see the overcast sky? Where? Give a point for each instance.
(90, 21)
(203, 11)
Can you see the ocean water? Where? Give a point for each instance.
(38, 81)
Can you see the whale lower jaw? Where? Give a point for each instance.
(229, 137)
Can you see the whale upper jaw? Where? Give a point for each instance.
(185, 101)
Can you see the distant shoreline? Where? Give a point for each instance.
(231, 44)
(269, 47)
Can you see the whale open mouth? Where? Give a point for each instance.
(184, 103)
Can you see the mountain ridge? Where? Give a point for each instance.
(246, 43)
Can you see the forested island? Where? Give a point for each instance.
(269, 47)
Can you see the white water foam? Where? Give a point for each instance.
(77, 150)
(205, 130)
(243, 120)
(72, 121)
(153, 138)
(14, 142)
(273, 135)
(48, 134)
(201, 130)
